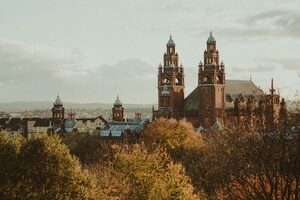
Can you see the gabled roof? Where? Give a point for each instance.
(233, 89)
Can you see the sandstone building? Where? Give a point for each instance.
(216, 102)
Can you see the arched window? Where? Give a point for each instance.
(177, 81)
(166, 81)
(207, 79)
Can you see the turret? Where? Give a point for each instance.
(118, 110)
(211, 86)
(170, 83)
(58, 112)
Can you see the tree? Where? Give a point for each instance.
(171, 134)
(111, 181)
(247, 164)
(180, 140)
(9, 150)
(153, 175)
(90, 149)
(43, 168)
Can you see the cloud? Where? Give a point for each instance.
(32, 73)
(271, 23)
(257, 68)
(127, 69)
(286, 63)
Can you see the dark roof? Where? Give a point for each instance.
(42, 122)
(116, 129)
(233, 89)
(3, 121)
(14, 124)
(92, 119)
(191, 102)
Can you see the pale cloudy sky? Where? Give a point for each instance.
(92, 50)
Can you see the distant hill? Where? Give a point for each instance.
(44, 105)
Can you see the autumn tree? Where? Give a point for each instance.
(153, 175)
(180, 140)
(247, 164)
(9, 150)
(43, 168)
(90, 149)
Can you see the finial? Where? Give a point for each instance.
(210, 33)
(171, 42)
(250, 78)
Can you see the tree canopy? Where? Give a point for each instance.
(42, 168)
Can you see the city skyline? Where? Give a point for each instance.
(90, 51)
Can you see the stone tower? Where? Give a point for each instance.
(58, 112)
(118, 110)
(170, 84)
(211, 87)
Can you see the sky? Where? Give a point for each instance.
(93, 50)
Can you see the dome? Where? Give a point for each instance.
(69, 125)
(118, 102)
(171, 42)
(165, 91)
(211, 38)
(58, 101)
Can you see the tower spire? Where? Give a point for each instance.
(272, 90)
